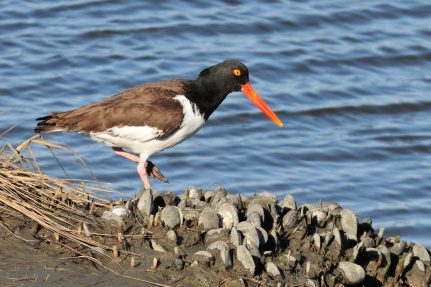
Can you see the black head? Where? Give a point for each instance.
(216, 82)
(228, 76)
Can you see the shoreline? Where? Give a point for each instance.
(208, 238)
(59, 232)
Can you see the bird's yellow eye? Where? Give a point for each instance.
(237, 72)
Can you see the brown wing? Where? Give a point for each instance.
(150, 105)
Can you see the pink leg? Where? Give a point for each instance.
(142, 171)
(128, 155)
(142, 164)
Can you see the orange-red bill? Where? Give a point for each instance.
(260, 103)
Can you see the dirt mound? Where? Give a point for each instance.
(58, 232)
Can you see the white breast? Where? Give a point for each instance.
(143, 140)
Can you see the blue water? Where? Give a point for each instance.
(351, 82)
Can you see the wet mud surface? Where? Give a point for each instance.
(210, 238)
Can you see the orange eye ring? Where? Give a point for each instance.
(237, 72)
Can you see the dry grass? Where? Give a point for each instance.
(58, 205)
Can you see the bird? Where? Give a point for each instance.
(149, 118)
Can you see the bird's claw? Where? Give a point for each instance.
(154, 172)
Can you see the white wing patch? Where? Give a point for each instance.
(143, 139)
(126, 136)
(140, 134)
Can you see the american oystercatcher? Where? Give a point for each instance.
(149, 118)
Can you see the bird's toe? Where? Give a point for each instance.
(154, 172)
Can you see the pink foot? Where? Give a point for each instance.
(145, 168)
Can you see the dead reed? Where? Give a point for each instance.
(62, 206)
(58, 205)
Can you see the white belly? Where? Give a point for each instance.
(143, 140)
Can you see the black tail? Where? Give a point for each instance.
(46, 124)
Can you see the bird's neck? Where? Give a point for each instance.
(206, 95)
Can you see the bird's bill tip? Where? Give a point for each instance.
(260, 103)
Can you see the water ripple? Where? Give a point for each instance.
(350, 82)
(394, 108)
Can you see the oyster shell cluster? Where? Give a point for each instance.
(278, 242)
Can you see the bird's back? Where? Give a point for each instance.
(151, 104)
